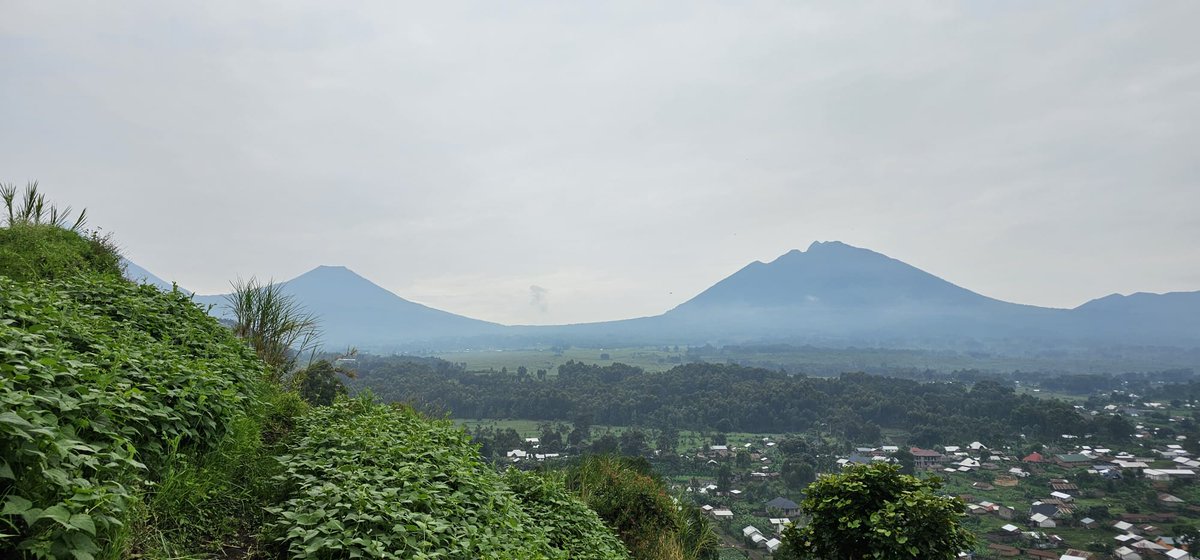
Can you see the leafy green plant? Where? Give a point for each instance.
(570, 525)
(371, 480)
(102, 384)
(875, 512)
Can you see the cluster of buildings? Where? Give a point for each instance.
(518, 455)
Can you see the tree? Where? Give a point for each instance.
(605, 444)
(743, 459)
(1186, 534)
(797, 473)
(724, 478)
(320, 384)
(633, 442)
(873, 511)
(906, 460)
(668, 439)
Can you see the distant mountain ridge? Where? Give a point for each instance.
(143, 276)
(831, 293)
(356, 312)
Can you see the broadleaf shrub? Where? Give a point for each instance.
(378, 481)
(99, 380)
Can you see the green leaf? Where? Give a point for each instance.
(16, 505)
(13, 419)
(6, 471)
(83, 522)
(57, 513)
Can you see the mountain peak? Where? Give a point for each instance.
(834, 274)
(825, 245)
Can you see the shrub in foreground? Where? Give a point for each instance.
(372, 480)
(102, 383)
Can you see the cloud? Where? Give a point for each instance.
(1036, 152)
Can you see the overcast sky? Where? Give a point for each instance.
(569, 161)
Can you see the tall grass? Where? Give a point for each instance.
(278, 328)
(636, 505)
(31, 208)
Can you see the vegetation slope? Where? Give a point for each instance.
(132, 424)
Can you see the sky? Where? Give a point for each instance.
(554, 162)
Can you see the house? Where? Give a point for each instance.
(722, 514)
(1166, 475)
(1063, 496)
(1131, 465)
(1073, 554)
(976, 446)
(1126, 553)
(1088, 523)
(1169, 500)
(1042, 520)
(1153, 548)
(785, 506)
(1034, 457)
(772, 545)
(1047, 509)
(1072, 460)
(1127, 538)
(1123, 526)
(749, 530)
(1178, 554)
(925, 458)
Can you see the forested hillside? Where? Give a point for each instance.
(729, 398)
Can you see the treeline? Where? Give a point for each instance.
(728, 398)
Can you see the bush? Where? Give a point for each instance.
(630, 501)
(569, 524)
(104, 383)
(365, 479)
(47, 252)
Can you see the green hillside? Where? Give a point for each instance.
(134, 425)
(381, 481)
(105, 387)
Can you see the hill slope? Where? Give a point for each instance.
(1160, 319)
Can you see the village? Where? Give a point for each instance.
(1067, 505)
(1128, 493)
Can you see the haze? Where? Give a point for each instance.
(548, 163)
